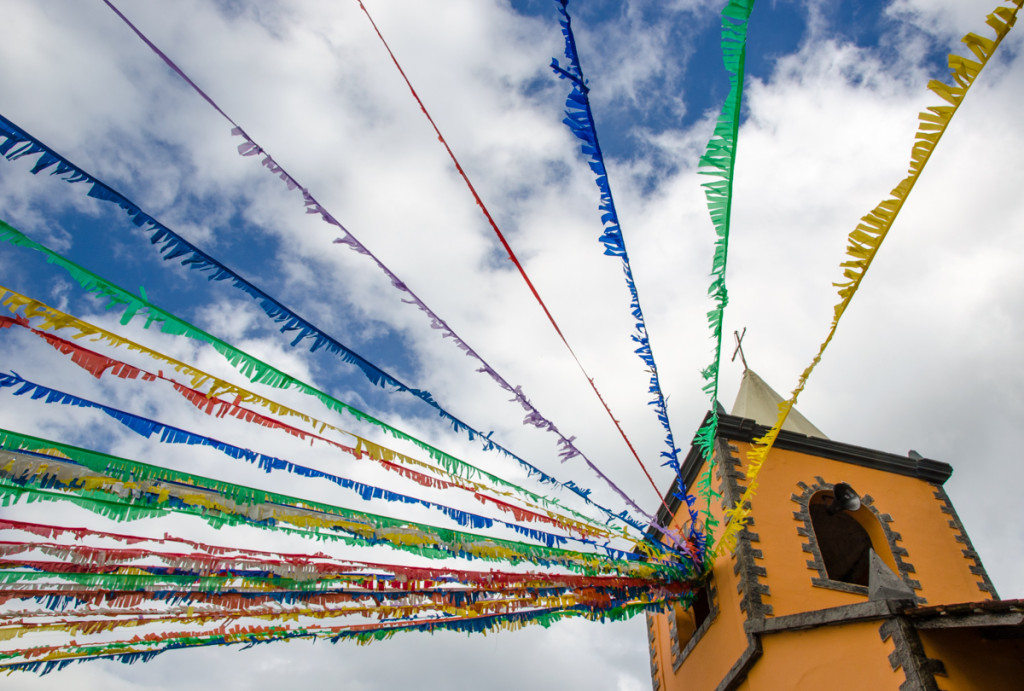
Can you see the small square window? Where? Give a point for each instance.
(691, 623)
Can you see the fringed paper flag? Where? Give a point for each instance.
(123, 489)
(317, 569)
(580, 121)
(866, 239)
(47, 658)
(98, 364)
(171, 246)
(533, 417)
(719, 161)
(254, 369)
(388, 459)
(148, 428)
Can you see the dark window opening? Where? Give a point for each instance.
(844, 544)
(689, 620)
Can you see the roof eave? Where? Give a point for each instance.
(746, 430)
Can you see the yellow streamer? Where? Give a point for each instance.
(51, 319)
(867, 237)
(300, 516)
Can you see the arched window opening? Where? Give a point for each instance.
(843, 541)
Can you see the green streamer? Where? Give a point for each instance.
(446, 541)
(121, 581)
(98, 502)
(719, 161)
(101, 503)
(255, 370)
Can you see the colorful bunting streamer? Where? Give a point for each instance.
(170, 245)
(98, 364)
(533, 417)
(44, 659)
(569, 449)
(145, 427)
(125, 489)
(148, 428)
(300, 567)
(171, 593)
(250, 367)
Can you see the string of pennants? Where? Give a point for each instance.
(551, 554)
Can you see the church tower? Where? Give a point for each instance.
(854, 572)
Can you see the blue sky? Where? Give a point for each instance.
(926, 359)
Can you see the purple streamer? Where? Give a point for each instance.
(250, 148)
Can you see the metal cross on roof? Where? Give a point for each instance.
(739, 347)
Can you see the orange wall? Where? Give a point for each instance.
(835, 658)
(662, 648)
(972, 662)
(814, 658)
(917, 515)
(722, 644)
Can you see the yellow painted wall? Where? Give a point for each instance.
(723, 643)
(972, 662)
(851, 657)
(917, 515)
(811, 658)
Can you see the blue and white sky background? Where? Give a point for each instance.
(926, 358)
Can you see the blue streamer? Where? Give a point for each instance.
(168, 434)
(580, 120)
(18, 144)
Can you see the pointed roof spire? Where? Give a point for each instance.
(759, 402)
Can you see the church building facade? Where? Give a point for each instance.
(854, 572)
